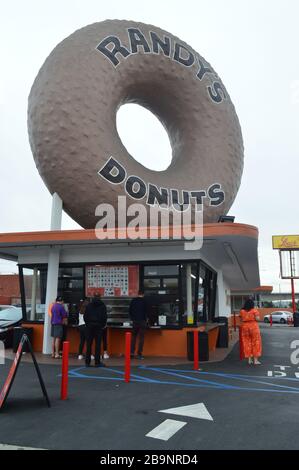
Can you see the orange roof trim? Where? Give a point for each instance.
(264, 289)
(209, 230)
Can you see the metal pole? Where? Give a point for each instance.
(65, 370)
(23, 293)
(33, 295)
(128, 357)
(195, 350)
(293, 295)
(190, 318)
(241, 344)
(235, 322)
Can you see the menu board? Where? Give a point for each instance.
(112, 281)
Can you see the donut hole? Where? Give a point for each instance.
(144, 137)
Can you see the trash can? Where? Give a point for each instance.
(222, 341)
(18, 332)
(203, 346)
(296, 318)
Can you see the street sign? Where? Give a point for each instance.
(288, 246)
(285, 242)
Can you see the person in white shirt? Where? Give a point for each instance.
(82, 327)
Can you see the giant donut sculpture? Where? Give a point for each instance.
(72, 122)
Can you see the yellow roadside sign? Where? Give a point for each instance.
(285, 242)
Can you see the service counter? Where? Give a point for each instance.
(212, 330)
(159, 340)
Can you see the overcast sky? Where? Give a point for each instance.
(252, 44)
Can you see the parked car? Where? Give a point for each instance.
(9, 318)
(279, 317)
(4, 307)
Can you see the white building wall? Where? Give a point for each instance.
(112, 253)
(223, 303)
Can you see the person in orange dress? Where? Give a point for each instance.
(250, 333)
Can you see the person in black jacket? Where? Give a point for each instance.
(95, 318)
(138, 314)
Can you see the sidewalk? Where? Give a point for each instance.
(218, 355)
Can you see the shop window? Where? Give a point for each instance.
(170, 312)
(71, 289)
(189, 274)
(70, 285)
(151, 284)
(237, 302)
(70, 272)
(170, 284)
(207, 285)
(35, 282)
(201, 294)
(162, 290)
(163, 270)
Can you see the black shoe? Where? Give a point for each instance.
(132, 356)
(101, 364)
(87, 365)
(139, 356)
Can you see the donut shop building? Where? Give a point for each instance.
(79, 155)
(185, 289)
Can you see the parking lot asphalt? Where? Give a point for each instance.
(236, 406)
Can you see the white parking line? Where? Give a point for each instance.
(166, 429)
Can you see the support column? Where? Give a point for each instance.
(293, 295)
(33, 295)
(223, 309)
(23, 293)
(56, 214)
(52, 284)
(190, 315)
(53, 268)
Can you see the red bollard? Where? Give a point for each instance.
(271, 320)
(235, 322)
(65, 370)
(195, 349)
(128, 357)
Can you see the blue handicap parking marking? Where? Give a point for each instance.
(183, 374)
(231, 386)
(120, 374)
(190, 378)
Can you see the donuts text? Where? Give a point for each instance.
(136, 188)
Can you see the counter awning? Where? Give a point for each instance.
(229, 247)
